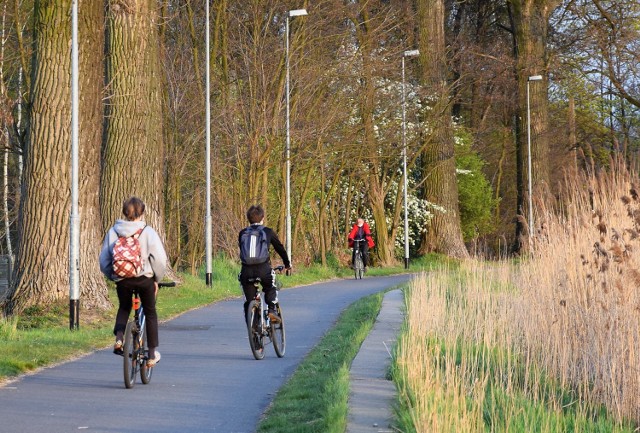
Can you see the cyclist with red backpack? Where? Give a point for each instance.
(254, 242)
(133, 256)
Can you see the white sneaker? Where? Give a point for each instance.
(154, 361)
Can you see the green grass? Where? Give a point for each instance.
(315, 398)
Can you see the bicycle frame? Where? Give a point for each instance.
(138, 317)
(356, 245)
(136, 352)
(358, 258)
(259, 298)
(260, 327)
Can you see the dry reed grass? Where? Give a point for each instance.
(559, 329)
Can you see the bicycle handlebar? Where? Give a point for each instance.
(167, 284)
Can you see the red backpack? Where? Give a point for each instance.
(127, 256)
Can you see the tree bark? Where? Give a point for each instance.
(91, 29)
(42, 261)
(133, 152)
(443, 234)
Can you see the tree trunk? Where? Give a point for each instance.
(134, 149)
(42, 262)
(530, 26)
(91, 27)
(443, 234)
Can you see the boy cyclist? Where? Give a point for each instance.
(254, 242)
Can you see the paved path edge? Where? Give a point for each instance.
(371, 394)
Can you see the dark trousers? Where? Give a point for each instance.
(147, 290)
(364, 247)
(265, 274)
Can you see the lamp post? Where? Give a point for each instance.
(529, 80)
(74, 248)
(208, 231)
(290, 14)
(409, 53)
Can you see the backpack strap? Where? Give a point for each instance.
(137, 234)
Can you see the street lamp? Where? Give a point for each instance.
(74, 235)
(529, 80)
(409, 53)
(208, 230)
(290, 14)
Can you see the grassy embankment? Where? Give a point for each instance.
(41, 337)
(548, 344)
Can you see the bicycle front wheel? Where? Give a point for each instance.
(130, 355)
(277, 334)
(358, 266)
(254, 330)
(145, 373)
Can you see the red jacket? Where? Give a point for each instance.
(367, 235)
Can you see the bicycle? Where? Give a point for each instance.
(358, 261)
(136, 351)
(260, 328)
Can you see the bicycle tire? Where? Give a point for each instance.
(145, 373)
(278, 336)
(130, 356)
(359, 266)
(254, 330)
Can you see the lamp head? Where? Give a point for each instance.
(535, 78)
(411, 53)
(298, 13)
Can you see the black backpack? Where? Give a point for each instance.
(254, 246)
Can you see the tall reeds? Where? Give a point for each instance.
(539, 345)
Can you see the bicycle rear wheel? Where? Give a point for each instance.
(277, 334)
(254, 330)
(131, 364)
(145, 373)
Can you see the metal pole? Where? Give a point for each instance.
(74, 261)
(288, 144)
(208, 230)
(529, 162)
(404, 173)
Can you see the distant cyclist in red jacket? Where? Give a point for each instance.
(361, 230)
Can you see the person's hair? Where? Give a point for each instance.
(132, 208)
(255, 214)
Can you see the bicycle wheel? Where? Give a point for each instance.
(130, 355)
(145, 373)
(358, 266)
(254, 329)
(278, 335)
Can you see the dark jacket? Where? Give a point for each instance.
(272, 239)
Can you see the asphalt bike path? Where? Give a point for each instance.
(207, 381)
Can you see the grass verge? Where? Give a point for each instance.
(315, 398)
